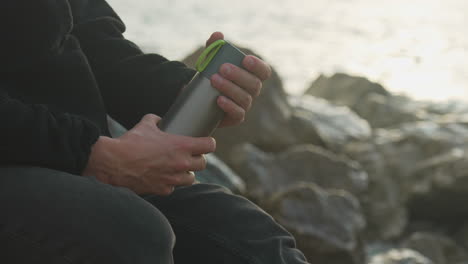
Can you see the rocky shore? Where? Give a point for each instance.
(356, 173)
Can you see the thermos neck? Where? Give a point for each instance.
(217, 54)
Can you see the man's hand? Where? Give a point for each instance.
(147, 160)
(238, 86)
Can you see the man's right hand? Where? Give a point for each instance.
(147, 160)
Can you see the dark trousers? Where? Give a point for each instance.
(48, 216)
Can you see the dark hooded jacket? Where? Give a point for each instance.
(64, 65)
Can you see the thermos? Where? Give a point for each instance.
(195, 112)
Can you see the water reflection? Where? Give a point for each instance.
(416, 47)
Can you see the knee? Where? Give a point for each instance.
(85, 219)
(134, 231)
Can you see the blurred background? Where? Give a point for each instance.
(415, 47)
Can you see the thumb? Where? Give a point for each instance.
(214, 37)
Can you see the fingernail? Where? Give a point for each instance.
(226, 69)
(222, 100)
(250, 62)
(217, 79)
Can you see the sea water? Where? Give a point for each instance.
(415, 47)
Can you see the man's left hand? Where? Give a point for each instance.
(238, 86)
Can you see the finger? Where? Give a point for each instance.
(198, 163)
(249, 82)
(199, 145)
(234, 113)
(193, 163)
(163, 190)
(257, 66)
(214, 37)
(181, 179)
(232, 91)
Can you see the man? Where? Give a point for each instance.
(69, 193)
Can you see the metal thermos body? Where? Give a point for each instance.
(196, 112)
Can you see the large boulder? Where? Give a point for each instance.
(383, 203)
(400, 256)
(438, 188)
(391, 158)
(267, 173)
(319, 122)
(388, 111)
(436, 247)
(368, 99)
(378, 106)
(326, 223)
(433, 138)
(344, 89)
(403, 147)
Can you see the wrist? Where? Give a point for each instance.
(101, 162)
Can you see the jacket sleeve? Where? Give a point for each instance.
(132, 83)
(30, 30)
(32, 135)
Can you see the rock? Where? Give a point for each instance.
(369, 100)
(390, 159)
(461, 236)
(318, 122)
(267, 173)
(411, 143)
(379, 107)
(439, 172)
(218, 172)
(326, 224)
(438, 188)
(448, 107)
(400, 256)
(379, 247)
(453, 118)
(398, 150)
(344, 89)
(389, 111)
(436, 247)
(383, 203)
(435, 137)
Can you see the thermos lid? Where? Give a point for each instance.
(215, 55)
